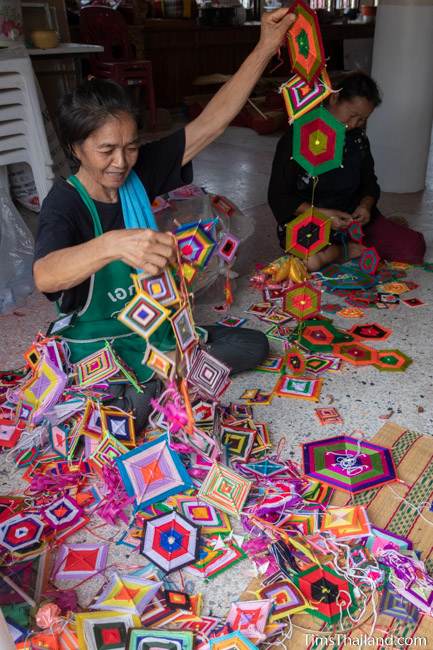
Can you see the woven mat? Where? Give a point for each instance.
(413, 457)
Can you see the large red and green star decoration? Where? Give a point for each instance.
(318, 141)
(308, 233)
(302, 301)
(300, 97)
(304, 42)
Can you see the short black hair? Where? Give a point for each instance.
(86, 109)
(356, 84)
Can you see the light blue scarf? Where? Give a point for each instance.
(136, 208)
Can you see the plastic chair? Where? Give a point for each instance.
(22, 131)
(106, 27)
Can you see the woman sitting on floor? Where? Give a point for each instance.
(348, 193)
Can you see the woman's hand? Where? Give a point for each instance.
(361, 215)
(275, 25)
(339, 220)
(144, 249)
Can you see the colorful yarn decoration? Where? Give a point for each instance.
(126, 593)
(369, 261)
(318, 141)
(330, 594)
(195, 245)
(160, 287)
(302, 301)
(78, 561)
(152, 472)
(355, 232)
(304, 42)
(170, 541)
(286, 597)
(214, 561)
(21, 533)
(204, 515)
(228, 247)
(298, 388)
(308, 233)
(348, 464)
(396, 605)
(104, 630)
(392, 361)
(233, 641)
(148, 639)
(371, 332)
(97, 367)
(300, 97)
(208, 375)
(225, 489)
(143, 315)
(356, 353)
(346, 523)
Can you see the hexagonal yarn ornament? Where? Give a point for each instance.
(356, 353)
(195, 245)
(348, 464)
(302, 301)
(332, 595)
(371, 331)
(392, 361)
(304, 42)
(318, 141)
(308, 233)
(170, 541)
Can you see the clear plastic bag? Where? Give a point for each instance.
(201, 208)
(16, 255)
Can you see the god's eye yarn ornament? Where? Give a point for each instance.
(302, 301)
(318, 141)
(300, 97)
(304, 42)
(308, 233)
(347, 463)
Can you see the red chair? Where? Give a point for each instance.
(106, 27)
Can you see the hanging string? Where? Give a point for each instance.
(411, 505)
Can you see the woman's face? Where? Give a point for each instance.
(354, 113)
(109, 153)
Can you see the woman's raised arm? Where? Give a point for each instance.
(230, 99)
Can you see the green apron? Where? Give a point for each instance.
(111, 288)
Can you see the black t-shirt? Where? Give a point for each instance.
(65, 221)
(338, 189)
